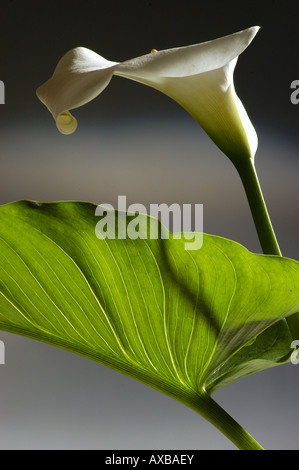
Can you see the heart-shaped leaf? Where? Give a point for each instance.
(184, 322)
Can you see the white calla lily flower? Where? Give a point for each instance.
(199, 77)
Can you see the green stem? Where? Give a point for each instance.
(258, 207)
(218, 417)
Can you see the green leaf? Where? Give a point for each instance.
(184, 322)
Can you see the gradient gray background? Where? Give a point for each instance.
(134, 141)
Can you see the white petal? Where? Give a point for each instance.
(188, 60)
(198, 77)
(211, 99)
(79, 77)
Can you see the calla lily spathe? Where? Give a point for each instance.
(199, 77)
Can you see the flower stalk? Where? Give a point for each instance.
(218, 417)
(247, 172)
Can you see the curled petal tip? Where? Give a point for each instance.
(66, 123)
